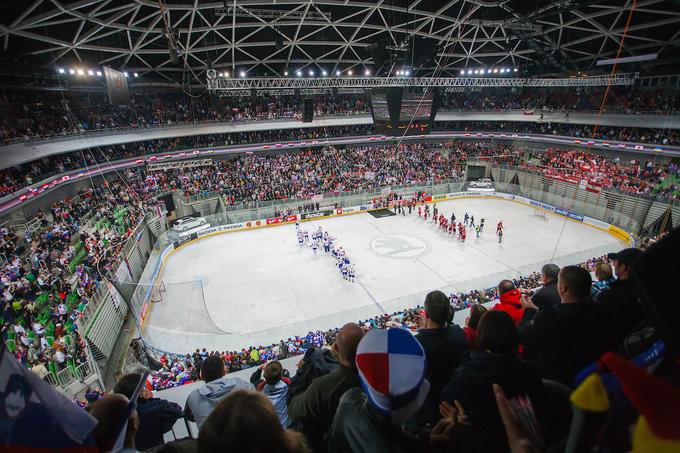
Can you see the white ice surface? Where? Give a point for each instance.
(255, 287)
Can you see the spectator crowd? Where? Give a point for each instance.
(34, 115)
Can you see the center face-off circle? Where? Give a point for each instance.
(399, 246)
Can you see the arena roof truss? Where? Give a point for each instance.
(271, 37)
(226, 85)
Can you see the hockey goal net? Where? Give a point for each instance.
(541, 214)
(158, 292)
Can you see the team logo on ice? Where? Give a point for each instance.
(398, 246)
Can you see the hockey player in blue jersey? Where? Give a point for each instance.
(350, 273)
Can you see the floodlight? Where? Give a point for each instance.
(61, 70)
(80, 72)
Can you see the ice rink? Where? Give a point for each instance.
(255, 287)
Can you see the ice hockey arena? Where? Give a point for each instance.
(340, 226)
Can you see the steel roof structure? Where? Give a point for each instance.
(175, 39)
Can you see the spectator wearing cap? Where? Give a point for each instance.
(201, 401)
(392, 368)
(605, 277)
(156, 416)
(496, 362)
(269, 380)
(622, 312)
(561, 340)
(547, 295)
(510, 300)
(444, 345)
(314, 408)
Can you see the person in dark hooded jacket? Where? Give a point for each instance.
(156, 416)
(444, 345)
(510, 301)
(496, 362)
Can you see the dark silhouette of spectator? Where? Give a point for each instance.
(547, 296)
(156, 416)
(622, 312)
(561, 340)
(497, 361)
(444, 345)
(315, 408)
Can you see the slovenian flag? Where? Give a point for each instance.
(36, 418)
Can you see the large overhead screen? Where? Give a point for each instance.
(403, 111)
(117, 86)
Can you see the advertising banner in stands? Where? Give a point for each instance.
(178, 164)
(316, 215)
(274, 220)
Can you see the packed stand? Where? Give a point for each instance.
(42, 302)
(34, 115)
(633, 176)
(582, 99)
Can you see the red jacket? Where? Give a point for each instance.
(511, 305)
